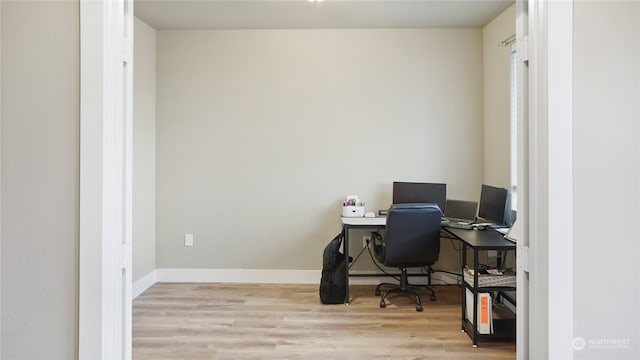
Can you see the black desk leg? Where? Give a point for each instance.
(476, 261)
(464, 288)
(345, 247)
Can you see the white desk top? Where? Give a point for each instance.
(375, 221)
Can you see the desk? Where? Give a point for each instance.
(349, 223)
(482, 240)
(477, 240)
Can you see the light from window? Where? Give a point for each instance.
(514, 131)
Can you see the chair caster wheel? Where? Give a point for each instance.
(432, 298)
(383, 304)
(377, 293)
(418, 307)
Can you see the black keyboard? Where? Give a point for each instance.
(464, 225)
(458, 225)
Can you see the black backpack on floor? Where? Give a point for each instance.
(332, 283)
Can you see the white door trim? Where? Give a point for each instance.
(550, 179)
(521, 227)
(560, 184)
(538, 176)
(105, 184)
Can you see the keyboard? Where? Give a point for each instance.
(459, 225)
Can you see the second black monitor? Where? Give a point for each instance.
(494, 204)
(414, 192)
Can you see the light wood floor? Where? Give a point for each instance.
(248, 321)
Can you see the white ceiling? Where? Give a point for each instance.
(328, 14)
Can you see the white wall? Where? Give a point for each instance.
(497, 98)
(40, 126)
(144, 151)
(606, 177)
(262, 133)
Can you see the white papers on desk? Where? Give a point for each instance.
(507, 233)
(516, 231)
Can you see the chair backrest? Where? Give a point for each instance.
(412, 235)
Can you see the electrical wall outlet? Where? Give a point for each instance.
(188, 239)
(366, 240)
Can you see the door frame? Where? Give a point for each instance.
(105, 180)
(104, 289)
(548, 166)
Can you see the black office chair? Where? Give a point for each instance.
(412, 239)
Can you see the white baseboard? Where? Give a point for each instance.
(240, 276)
(142, 284)
(262, 276)
(446, 278)
(437, 278)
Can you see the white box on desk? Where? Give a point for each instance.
(353, 211)
(485, 312)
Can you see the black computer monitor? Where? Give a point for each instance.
(413, 192)
(494, 204)
(461, 210)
